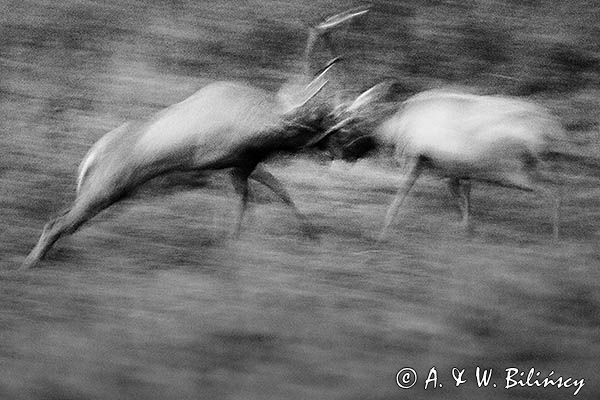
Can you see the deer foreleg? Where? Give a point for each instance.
(261, 175)
(415, 168)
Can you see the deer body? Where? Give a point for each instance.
(224, 125)
(209, 130)
(469, 136)
(464, 137)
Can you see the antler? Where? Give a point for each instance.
(369, 96)
(351, 112)
(325, 27)
(338, 19)
(299, 98)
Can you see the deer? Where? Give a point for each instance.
(454, 134)
(224, 125)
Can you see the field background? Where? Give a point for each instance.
(153, 300)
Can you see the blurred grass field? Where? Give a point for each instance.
(153, 299)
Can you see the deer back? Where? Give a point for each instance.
(466, 126)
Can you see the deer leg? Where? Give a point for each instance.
(65, 224)
(465, 195)
(261, 175)
(414, 171)
(532, 179)
(454, 186)
(239, 178)
(461, 189)
(554, 194)
(556, 214)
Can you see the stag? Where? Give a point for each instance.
(456, 135)
(225, 125)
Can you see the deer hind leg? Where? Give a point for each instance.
(465, 194)
(415, 167)
(540, 184)
(461, 189)
(261, 175)
(239, 178)
(532, 180)
(65, 224)
(556, 196)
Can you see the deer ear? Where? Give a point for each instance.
(375, 93)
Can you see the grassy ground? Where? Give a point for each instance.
(153, 300)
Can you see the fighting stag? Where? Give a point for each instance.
(460, 136)
(225, 125)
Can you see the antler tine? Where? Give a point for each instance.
(323, 29)
(338, 19)
(369, 96)
(311, 89)
(320, 76)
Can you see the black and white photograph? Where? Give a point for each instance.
(276, 199)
